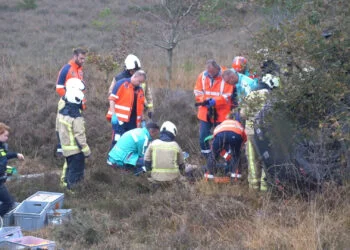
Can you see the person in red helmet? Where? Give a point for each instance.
(239, 63)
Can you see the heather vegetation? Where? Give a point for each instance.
(309, 40)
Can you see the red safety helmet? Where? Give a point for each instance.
(239, 63)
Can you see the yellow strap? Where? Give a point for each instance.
(165, 170)
(85, 149)
(251, 163)
(72, 147)
(71, 136)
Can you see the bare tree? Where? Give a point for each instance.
(177, 20)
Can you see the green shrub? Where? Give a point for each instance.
(27, 4)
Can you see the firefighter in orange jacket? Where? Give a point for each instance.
(229, 138)
(214, 96)
(73, 69)
(126, 104)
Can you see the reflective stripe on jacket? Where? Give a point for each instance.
(123, 97)
(217, 89)
(4, 156)
(72, 135)
(70, 70)
(231, 125)
(166, 158)
(148, 95)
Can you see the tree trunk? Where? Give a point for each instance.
(169, 67)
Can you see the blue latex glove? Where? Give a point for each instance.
(143, 124)
(114, 119)
(211, 102)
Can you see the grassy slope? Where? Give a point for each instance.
(115, 210)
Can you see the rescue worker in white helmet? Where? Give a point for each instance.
(164, 156)
(254, 105)
(72, 70)
(71, 131)
(131, 65)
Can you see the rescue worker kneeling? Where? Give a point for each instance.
(164, 156)
(228, 139)
(71, 130)
(129, 151)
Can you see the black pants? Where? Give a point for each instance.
(6, 200)
(75, 169)
(229, 141)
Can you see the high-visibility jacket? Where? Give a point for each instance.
(217, 89)
(131, 146)
(123, 97)
(70, 70)
(146, 89)
(231, 125)
(166, 157)
(4, 156)
(72, 135)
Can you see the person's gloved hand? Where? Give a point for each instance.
(143, 124)
(150, 114)
(211, 102)
(114, 119)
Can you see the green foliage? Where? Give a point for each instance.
(188, 66)
(101, 22)
(219, 13)
(292, 6)
(104, 63)
(106, 12)
(312, 50)
(27, 4)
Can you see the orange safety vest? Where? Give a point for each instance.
(231, 125)
(220, 91)
(124, 99)
(75, 71)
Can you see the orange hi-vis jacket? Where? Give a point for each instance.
(70, 70)
(231, 125)
(219, 90)
(123, 97)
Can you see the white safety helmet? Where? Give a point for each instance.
(170, 127)
(74, 95)
(132, 62)
(271, 81)
(75, 83)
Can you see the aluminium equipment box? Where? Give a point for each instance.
(7, 233)
(9, 219)
(31, 215)
(55, 200)
(27, 242)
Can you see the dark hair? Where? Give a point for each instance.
(79, 51)
(152, 125)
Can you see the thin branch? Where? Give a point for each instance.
(159, 18)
